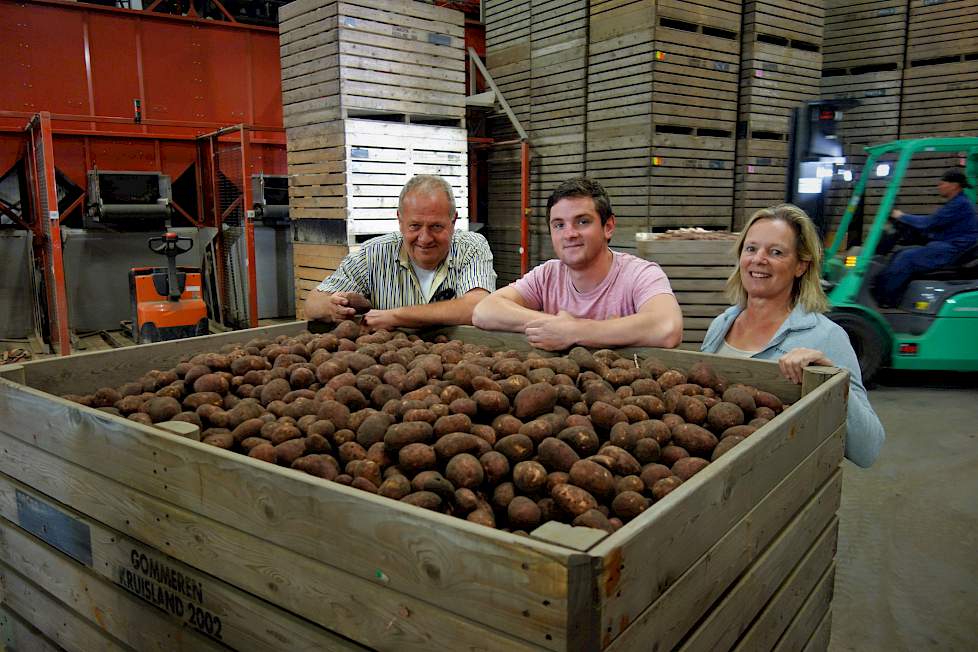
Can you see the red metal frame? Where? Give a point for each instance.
(48, 233)
(80, 66)
(208, 199)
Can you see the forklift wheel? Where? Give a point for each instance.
(866, 341)
(148, 333)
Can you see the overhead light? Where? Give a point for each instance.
(809, 185)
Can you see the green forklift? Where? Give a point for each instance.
(935, 326)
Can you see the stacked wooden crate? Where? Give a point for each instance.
(558, 96)
(694, 113)
(621, 53)
(508, 59)
(940, 89)
(639, 95)
(863, 58)
(662, 100)
(373, 93)
(697, 270)
(781, 64)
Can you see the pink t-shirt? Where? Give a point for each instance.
(630, 283)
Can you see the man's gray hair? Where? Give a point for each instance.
(427, 183)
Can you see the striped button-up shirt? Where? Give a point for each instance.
(382, 272)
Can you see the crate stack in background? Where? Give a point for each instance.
(781, 68)
(697, 263)
(694, 113)
(508, 60)
(640, 95)
(862, 61)
(373, 93)
(621, 52)
(558, 96)
(940, 89)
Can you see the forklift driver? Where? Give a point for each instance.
(945, 235)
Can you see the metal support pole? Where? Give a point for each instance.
(249, 213)
(57, 293)
(524, 207)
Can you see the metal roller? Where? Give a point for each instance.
(135, 210)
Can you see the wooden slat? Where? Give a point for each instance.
(819, 640)
(19, 634)
(56, 622)
(813, 622)
(735, 613)
(192, 599)
(115, 611)
(815, 481)
(708, 509)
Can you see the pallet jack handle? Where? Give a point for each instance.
(169, 245)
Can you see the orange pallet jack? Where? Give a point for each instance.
(167, 302)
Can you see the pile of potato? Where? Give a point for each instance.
(501, 438)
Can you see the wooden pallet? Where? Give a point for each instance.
(188, 547)
(397, 59)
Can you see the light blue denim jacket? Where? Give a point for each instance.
(864, 432)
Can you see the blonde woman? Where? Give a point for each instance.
(778, 315)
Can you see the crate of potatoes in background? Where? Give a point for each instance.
(698, 263)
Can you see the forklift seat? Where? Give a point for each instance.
(965, 267)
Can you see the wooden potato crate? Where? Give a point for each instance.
(862, 36)
(697, 271)
(116, 535)
(395, 58)
(369, 161)
(941, 28)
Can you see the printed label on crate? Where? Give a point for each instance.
(66, 533)
(439, 39)
(169, 589)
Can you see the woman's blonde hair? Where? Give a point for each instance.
(807, 289)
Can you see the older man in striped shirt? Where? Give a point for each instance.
(426, 274)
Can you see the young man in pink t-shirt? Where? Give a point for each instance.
(591, 295)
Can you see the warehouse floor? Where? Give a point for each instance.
(907, 574)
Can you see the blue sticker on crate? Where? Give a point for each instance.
(64, 532)
(359, 152)
(439, 39)
(722, 66)
(886, 12)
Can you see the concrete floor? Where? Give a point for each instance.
(907, 573)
